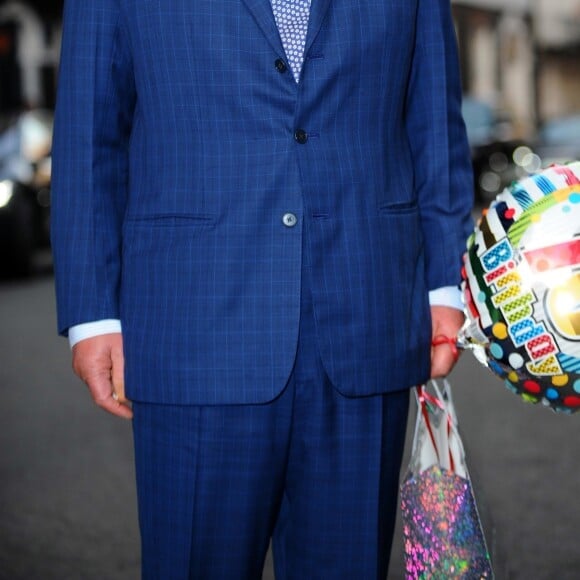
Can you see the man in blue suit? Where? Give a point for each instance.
(260, 208)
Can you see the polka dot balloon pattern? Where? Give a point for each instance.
(521, 287)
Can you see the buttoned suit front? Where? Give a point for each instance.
(193, 177)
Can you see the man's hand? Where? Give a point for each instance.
(446, 323)
(99, 362)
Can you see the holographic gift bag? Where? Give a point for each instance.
(442, 529)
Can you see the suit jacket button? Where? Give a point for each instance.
(301, 136)
(289, 220)
(280, 65)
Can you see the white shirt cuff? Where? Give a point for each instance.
(447, 296)
(89, 329)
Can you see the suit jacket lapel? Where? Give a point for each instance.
(263, 15)
(318, 10)
(262, 12)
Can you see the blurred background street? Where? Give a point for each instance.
(67, 499)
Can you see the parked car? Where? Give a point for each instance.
(25, 147)
(559, 140)
(495, 154)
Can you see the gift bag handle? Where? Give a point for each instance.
(443, 400)
(424, 397)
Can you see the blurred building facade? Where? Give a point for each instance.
(520, 56)
(30, 33)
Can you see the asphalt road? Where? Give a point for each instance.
(67, 500)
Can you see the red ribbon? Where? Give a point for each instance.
(449, 340)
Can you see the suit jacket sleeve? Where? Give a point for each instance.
(443, 173)
(96, 98)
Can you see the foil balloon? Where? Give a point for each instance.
(521, 287)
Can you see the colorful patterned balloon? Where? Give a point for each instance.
(521, 287)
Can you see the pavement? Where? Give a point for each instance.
(67, 498)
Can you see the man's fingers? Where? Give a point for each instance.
(442, 362)
(110, 404)
(98, 361)
(101, 389)
(444, 354)
(118, 375)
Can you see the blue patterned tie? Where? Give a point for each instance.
(292, 20)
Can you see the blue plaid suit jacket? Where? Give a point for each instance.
(176, 157)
